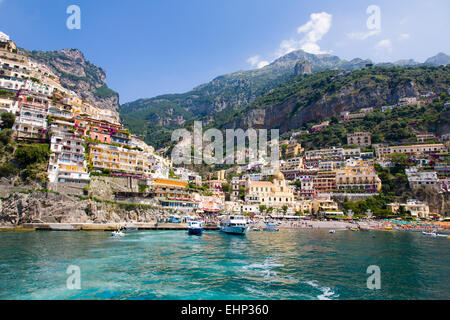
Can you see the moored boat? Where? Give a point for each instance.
(271, 228)
(195, 227)
(234, 225)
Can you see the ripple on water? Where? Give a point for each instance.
(173, 265)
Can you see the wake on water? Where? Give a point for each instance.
(327, 293)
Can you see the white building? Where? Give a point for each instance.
(67, 160)
(425, 179)
(416, 208)
(8, 105)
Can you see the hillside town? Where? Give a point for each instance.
(93, 155)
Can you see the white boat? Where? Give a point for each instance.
(332, 231)
(234, 225)
(433, 234)
(117, 234)
(195, 227)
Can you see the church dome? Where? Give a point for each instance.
(278, 175)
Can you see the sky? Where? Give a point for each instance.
(153, 47)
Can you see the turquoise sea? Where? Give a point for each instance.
(290, 264)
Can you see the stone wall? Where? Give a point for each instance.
(68, 188)
(105, 187)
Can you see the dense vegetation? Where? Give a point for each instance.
(104, 92)
(26, 161)
(393, 126)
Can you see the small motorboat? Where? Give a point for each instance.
(432, 234)
(117, 234)
(195, 227)
(254, 228)
(332, 231)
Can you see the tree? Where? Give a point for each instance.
(262, 208)
(285, 209)
(401, 211)
(6, 136)
(8, 120)
(226, 187)
(32, 153)
(242, 193)
(399, 159)
(172, 175)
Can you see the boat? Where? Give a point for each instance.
(234, 225)
(175, 219)
(117, 234)
(195, 227)
(332, 231)
(255, 228)
(271, 228)
(433, 234)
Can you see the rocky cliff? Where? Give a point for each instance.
(302, 67)
(48, 207)
(320, 96)
(79, 75)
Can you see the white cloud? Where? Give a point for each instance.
(257, 62)
(314, 30)
(404, 36)
(318, 26)
(385, 44)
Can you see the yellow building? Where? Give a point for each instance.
(119, 159)
(169, 188)
(324, 205)
(270, 194)
(358, 175)
(293, 150)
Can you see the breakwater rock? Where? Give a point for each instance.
(48, 207)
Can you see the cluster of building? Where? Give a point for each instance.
(85, 140)
(82, 137)
(307, 181)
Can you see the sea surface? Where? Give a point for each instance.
(290, 264)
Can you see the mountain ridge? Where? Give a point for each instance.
(153, 119)
(78, 74)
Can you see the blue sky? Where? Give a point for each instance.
(169, 46)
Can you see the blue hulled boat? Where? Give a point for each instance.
(195, 227)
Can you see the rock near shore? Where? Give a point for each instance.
(48, 207)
